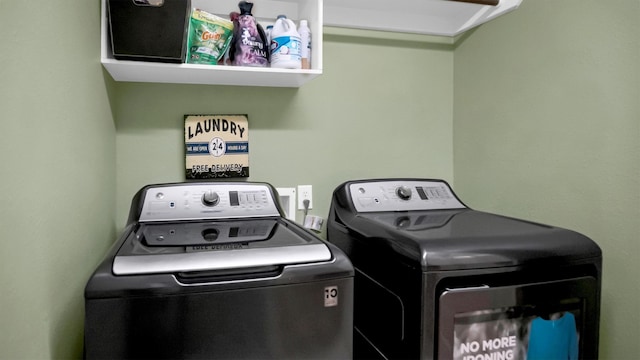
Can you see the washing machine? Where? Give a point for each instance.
(214, 270)
(438, 280)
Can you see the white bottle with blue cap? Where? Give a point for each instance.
(286, 51)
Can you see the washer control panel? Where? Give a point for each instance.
(207, 201)
(403, 195)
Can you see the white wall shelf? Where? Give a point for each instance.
(429, 17)
(265, 12)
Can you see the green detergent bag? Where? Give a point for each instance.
(209, 38)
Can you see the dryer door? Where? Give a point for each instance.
(554, 319)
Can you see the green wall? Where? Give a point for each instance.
(536, 113)
(547, 127)
(57, 152)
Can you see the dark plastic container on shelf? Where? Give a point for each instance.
(149, 30)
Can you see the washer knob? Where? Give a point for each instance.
(210, 198)
(404, 192)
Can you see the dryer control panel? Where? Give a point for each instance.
(403, 195)
(202, 201)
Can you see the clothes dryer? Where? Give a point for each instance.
(438, 280)
(213, 270)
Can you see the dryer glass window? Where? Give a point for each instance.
(550, 320)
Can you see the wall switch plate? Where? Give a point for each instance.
(304, 193)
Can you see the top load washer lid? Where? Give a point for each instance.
(425, 222)
(220, 245)
(191, 227)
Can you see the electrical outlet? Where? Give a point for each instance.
(304, 193)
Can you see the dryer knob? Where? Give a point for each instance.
(404, 192)
(210, 198)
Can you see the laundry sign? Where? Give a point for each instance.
(216, 146)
